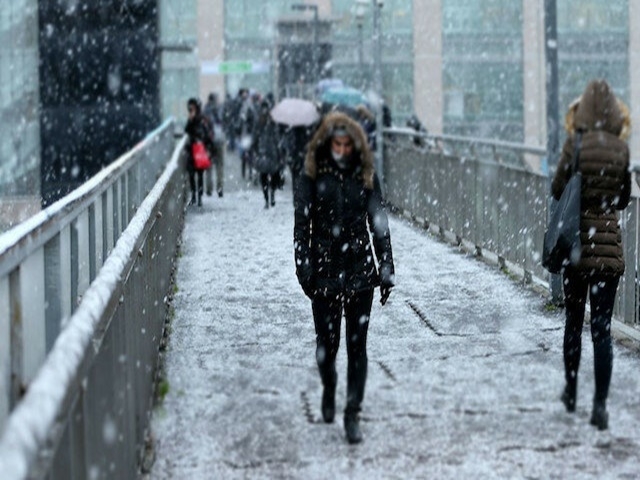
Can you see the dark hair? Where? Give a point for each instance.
(194, 102)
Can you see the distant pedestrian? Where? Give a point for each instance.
(294, 148)
(338, 204)
(197, 130)
(266, 156)
(598, 122)
(246, 132)
(212, 113)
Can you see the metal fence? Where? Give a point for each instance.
(82, 292)
(486, 194)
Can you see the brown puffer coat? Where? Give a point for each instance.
(606, 180)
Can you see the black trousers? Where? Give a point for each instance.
(269, 182)
(327, 316)
(602, 294)
(192, 182)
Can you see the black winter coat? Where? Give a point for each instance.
(335, 213)
(198, 130)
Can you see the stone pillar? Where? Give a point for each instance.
(428, 96)
(211, 45)
(634, 79)
(534, 88)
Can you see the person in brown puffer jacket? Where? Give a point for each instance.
(602, 122)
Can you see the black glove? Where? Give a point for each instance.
(308, 285)
(308, 290)
(387, 281)
(385, 291)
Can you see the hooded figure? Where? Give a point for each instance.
(340, 222)
(601, 122)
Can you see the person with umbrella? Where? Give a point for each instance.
(338, 204)
(299, 118)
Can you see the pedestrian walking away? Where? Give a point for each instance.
(267, 160)
(602, 123)
(340, 221)
(197, 130)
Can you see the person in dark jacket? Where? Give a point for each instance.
(198, 130)
(602, 122)
(294, 147)
(266, 155)
(338, 205)
(212, 114)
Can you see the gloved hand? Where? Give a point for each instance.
(385, 291)
(387, 281)
(308, 290)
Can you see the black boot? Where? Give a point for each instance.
(329, 399)
(599, 415)
(193, 199)
(568, 397)
(352, 427)
(356, 379)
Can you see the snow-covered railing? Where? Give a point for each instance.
(82, 289)
(497, 208)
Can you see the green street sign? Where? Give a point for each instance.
(235, 67)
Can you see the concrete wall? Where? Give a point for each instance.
(427, 72)
(211, 44)
(534, 76)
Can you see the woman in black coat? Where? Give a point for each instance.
(338, 211)
(198, 130)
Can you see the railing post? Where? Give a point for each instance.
(5, 351)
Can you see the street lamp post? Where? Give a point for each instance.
(551, 54)
(314, 52)
(359, 15)
(377, 72)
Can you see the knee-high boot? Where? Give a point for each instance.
(356, 380)
(603, 362)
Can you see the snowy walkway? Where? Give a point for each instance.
(465, 368)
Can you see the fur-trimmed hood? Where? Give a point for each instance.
(320, 145)
(598, 109)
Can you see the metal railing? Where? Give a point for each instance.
(499, 208)
(82, 289)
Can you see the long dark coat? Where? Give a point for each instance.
(606, 180)
(335, 213)
(266, 155)
(198, 130)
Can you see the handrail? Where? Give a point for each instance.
(516, 147)
(34, 232)
(48, 262)
(43, 425)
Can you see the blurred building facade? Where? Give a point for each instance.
(465, 67)
(19, 123)
(81, 82)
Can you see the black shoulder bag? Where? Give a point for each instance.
(562, 245)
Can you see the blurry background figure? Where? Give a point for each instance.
(245, 131)
(266, 157)
(212, 112)
(229, 113)
(367, 121)
(414, 123)
(298, 120)
(294, 148)
(197, 130)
